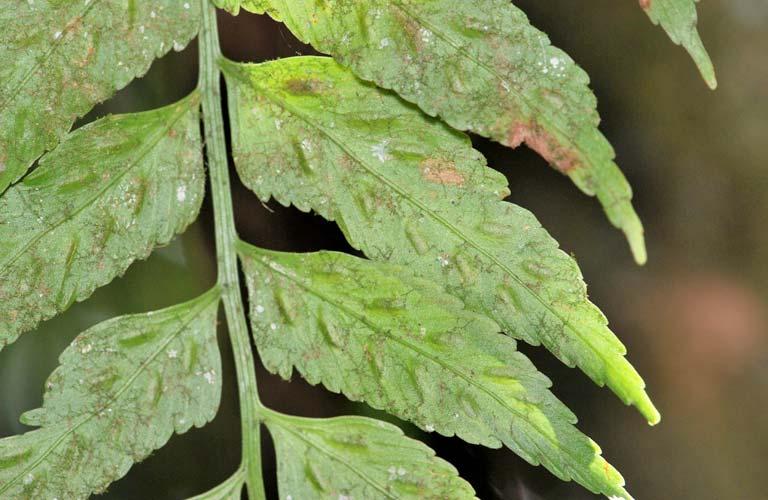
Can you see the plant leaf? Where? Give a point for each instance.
(357, 457)
(480, 66)
(407, 189)
(679, 19)
(377, 334)
(231, 489)
(103, 198)
(59, 58)
(123, 388)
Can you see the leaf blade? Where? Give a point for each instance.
(406, 189)
(134, 380)
(480, 66)
(105, 197)
(61, 58)
(357, 457)
(377, 334)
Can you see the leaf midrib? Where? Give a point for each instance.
(204, 302)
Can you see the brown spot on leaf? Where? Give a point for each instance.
(88, 55)
(541, 141)
(299, 86)
(441, 171)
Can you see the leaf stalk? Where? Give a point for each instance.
(226, 238)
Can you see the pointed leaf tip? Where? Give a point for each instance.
(679, 19)
(635, 234)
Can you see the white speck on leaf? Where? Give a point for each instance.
(181, 193)
(380, 151)
(392, 473)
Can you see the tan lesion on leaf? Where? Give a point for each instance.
(87, 58)
(544, 143)
(305, 86)
(441, 171)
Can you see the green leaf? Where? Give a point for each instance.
(480, 66)
(679, 19)
(59, 58)
(231, 489)
(103, 198)
(401, 344)
(407, 189)
(123, 388)
(357, 457)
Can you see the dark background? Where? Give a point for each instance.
(693, 319)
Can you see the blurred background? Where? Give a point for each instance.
(694, 319)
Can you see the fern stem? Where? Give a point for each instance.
(226, 239)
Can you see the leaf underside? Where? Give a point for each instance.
(679, 20)
(404, 188)
(480, 66)
(357, 457)
(62, 57)
(123, 388)
(376, 334)
(108, 194)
